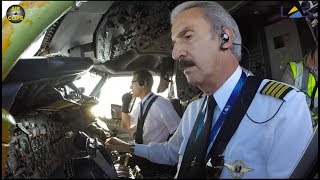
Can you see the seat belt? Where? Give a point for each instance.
(139, 132)
(313, 95)
(305, 79)
(230, 125)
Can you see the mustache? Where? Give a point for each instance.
(185, 63)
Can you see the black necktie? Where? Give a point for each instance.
(206, 129)
(194, 164)
(211, 104)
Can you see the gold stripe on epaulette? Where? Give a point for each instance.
(275, 89)
(270, 90)
(281, 91)
(279, 86)
(267, 86)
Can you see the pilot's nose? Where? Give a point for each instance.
(178, 52)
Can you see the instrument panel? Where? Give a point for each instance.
(39, 144)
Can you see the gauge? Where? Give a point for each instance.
(24, 145)
(13, 161)
(34, 145)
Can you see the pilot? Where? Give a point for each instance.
(160, 121)
(242, 127)
(304, 76)
(155, 116)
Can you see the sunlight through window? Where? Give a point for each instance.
(88, 81)
(112, 91)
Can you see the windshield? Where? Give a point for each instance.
(88, 81)
(111, 92)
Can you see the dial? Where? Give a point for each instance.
(24, 145)
(34, 145)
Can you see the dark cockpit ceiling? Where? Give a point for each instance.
(122, 36)
(119, 36)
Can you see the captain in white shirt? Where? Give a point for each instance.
(271, 149)
(273, 133)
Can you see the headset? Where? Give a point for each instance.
(143, 78)
(224, 38)
(141, 83)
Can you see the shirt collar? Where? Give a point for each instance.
(223, 93)
(146, 97)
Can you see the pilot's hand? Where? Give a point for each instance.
(126, 99)
(117, 144)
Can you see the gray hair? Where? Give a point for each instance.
(217, 16)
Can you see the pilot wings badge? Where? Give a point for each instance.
(237, 169)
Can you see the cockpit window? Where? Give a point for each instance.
(88, 81)
(112, 91)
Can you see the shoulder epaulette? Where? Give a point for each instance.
(197, 96)
(276, 89)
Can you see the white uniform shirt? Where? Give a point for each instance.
(271, 149)
(161, 120)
